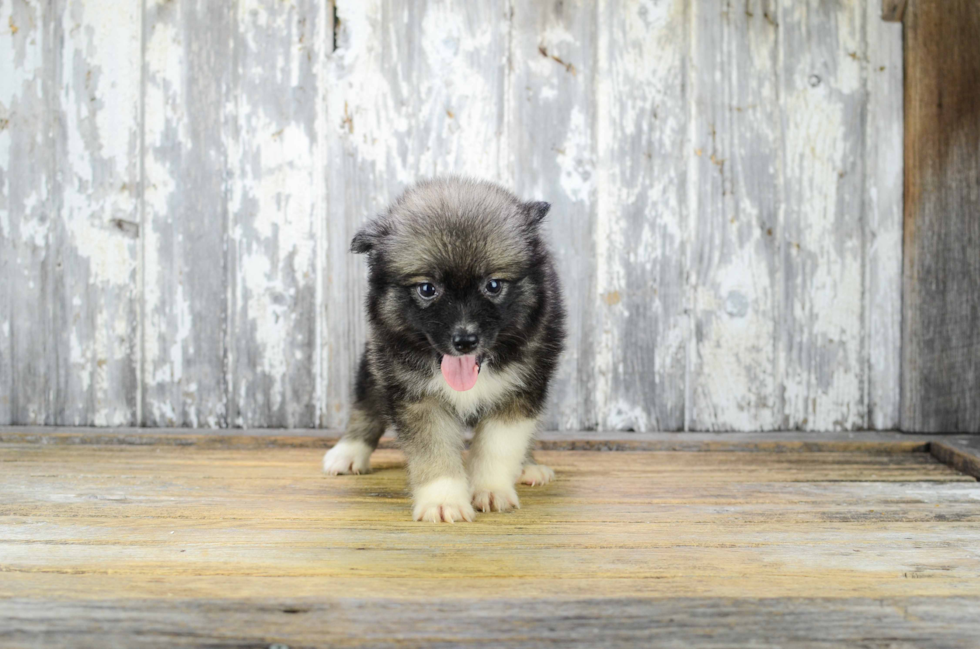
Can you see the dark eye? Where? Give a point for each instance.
(426, 291)
(493, 286)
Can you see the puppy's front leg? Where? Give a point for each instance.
(496, 457)
(432, 440)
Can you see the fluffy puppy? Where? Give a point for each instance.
(466, 324)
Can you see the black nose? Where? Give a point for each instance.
(465, 342)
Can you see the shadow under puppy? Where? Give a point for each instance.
(466, 325)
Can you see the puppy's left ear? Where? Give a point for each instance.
(536, 211)
(368, 236)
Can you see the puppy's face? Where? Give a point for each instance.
(460, 310)
(452, 266)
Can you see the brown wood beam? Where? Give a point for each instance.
(941, 310)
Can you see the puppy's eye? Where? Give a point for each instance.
(493, 286)
(426, 291)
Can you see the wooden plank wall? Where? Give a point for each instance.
(941, 333)
(179, 182)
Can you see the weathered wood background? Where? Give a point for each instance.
(941, 323)
(179, 181)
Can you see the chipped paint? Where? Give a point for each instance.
(271, 360)
(726, 222)
(576, 158)
(822, 356)
(884, 138)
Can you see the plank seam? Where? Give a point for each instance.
(866, 312)
(689, 226)
(321, 193)
(654, 442)
(779, 292)
(141, 198)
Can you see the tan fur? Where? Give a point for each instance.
(432, 438)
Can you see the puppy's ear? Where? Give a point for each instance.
(368, 237)
(536, 211)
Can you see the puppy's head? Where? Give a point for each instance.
(453, 265)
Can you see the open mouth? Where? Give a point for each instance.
(461, 372)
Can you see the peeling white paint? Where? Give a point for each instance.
(658, 129)
(365, 109)
(640, 127)
(575, 158)
(884, 139)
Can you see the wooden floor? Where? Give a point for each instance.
(246, 544)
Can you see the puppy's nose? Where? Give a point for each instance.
(465, 342)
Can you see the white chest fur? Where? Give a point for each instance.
(490, 388)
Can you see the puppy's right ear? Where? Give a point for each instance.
(368, 237)
(536, 212)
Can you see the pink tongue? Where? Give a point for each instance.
(460, 372)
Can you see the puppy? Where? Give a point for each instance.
(466, 325)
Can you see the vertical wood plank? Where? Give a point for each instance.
(883, 207)
(460, 79)
(822, 355)
(641, 223)
(70, 128)
(551, 129)
(736, 236)
(188, 75)
(28, 177)
(275, 172)
(941, 324)
(417, 90)
(96, 237)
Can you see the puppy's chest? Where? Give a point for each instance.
(491, 388)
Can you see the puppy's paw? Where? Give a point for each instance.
(536, 474)
(348, 456)
(497, 499)
(444, 500)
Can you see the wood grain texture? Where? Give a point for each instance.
(642, 326)
(839, 442)
(180, 182)
(188, 139)
(201, 546)
(275, 169)
(822, 354)
(791, 334)
(95, 238)
(27, 209)
(884, 176)
(960, 454)
(736, 179)
(71, 222)
(941, 324)
(944, 623)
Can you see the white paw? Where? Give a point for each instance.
(348, 456)
(445, 500)
(498, 499)
(536, 474)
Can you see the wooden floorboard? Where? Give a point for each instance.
(247, 544)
